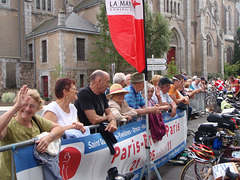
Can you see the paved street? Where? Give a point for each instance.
(171, 172)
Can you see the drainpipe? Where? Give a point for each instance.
(19, 30)
(34, 63)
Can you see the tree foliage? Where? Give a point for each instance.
(158, 37)
(231, 70)
(106, 53)
(236, 55)
(158, 34)
(172, 69)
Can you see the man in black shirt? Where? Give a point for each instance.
(92, 103)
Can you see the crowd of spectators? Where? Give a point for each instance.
(99, 104)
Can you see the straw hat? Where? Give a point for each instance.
(116, 89)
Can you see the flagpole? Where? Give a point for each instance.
(146, 100)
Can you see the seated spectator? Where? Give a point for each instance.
(195, 84)
(203, 83)
(119, 78)
(128, 79)
(62, 111)
(21, 123)
(154, 81)
(156, 122)
(134, 98)
(178, 81)
(164, 84)
(92, 103)
(235, 86)
(151, 102)
(119, 106)
(176, 96)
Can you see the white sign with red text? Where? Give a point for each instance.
(89, 157)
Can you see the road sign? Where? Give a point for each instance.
(156, 67)
(156, 61)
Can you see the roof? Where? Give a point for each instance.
(86, 4)
(73, 22)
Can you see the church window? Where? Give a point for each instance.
(38, 4)
(164, 5)
(229, 19)
(209, 46)
(167, 5)
(229, 55)
(179, 9)
(175, 7)
(49, 5)
(43, 5)
(171, 7)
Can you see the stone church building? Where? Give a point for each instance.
(42, 40)
(204, 32)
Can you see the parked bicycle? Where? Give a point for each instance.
(215, 142)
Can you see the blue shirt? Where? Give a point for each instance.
(134, 99)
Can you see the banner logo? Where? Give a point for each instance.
(69, 161)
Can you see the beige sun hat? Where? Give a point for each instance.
(116, 89)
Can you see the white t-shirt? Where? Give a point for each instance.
(166, 98)
(64, 119)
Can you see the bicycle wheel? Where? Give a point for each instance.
(211, 102)
(195, 170)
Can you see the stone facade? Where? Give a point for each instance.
(202, 42)
(203, 33)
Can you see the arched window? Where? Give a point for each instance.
(167, 5)
(175, 7)
(164, 5)
(171, 7)
(179, 9)
(229, 18)
(209, 46)
(229, 55)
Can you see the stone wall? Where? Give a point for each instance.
(27, 74)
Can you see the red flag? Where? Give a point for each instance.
(125, 18)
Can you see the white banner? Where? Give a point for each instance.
(89, 157)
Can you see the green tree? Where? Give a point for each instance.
(106, 53)
(236, 55)
(158, 37)
(58, 73)
(231, 70)
(172, 69)
(158, 34)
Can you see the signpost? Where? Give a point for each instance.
(156, 67)
(156, 64)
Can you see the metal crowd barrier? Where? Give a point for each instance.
(24, 144)
(198, 103)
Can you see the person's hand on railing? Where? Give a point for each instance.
(79, 126)
(42, 144)
(112, 126)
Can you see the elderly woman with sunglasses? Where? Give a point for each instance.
(24, 126)
(62, 111)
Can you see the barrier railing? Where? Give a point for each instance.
(198, 103)
(129, 156)
(25, 144)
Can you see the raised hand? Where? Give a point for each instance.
(22, 98)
